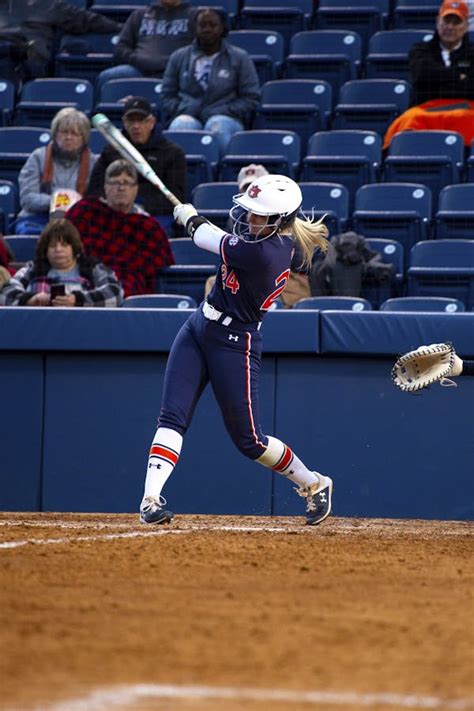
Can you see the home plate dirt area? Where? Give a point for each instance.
(221, 613)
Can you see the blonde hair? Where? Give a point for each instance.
(310, 235)
(69, 117)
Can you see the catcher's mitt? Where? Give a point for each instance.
(426, 365)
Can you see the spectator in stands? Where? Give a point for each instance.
(28, 30)
(165, 157)
(147, 39)
(56, 175)
(442, 77)
(5, 257)
(210, 84)
(62, 274)
(117, 232)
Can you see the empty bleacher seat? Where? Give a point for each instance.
(281, 16)
(434, 158)
(278, 151)
(7, 101)
(331, 55)
(349, 157)
(266, 49)
(443, 268)
(188, 276)
(41, 99)
(84, 56)
(214, 200)
(303, 104)
(330, 199)
(22, 246)
(387, 55)
(9, 204)
(334, 303)
(470, 165)
(400, 211)
(230, 7)
(202, 153)
(16, 144)
(423, 303)
(415, 14)
(114, 92)
(455, 216)
(364, 17)
(391, 252)
(371, 104)
(160, 301)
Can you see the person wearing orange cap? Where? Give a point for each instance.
(442, 78)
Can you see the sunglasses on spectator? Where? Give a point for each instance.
(121, 184)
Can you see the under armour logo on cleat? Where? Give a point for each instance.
(322, 496)
(233, 338)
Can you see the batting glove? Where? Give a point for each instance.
(183, 213)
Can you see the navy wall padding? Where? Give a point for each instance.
(388, 333)
(21, 431)
(99, 436)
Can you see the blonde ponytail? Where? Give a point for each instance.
(310, 236)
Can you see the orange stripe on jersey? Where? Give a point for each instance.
(159, 451)
(285, 460)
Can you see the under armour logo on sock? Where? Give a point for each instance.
(233, 338)
(151, 464)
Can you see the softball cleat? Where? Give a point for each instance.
(152, 510)
(318, 500)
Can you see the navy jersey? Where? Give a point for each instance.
(251, 275)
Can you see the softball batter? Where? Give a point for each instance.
(223, 337)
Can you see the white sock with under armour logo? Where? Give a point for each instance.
(283, 460)
(163, 457)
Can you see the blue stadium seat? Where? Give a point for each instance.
(415, 14)
(352, 158)
(97, 141)
(334, 303)
(371, 104)
(365, 18)
(434, 158)
(331, 55)
(202, 154)
(266, 49)
(116, 9)
(188, 276)
(278, 151)
(455, 216)
(160, 301)
(9, 204)
(470, 165)
(41, 99)
(214, 200)
(423, 303)
(23, 246)
(7, 101)
(277, 16)
(16, 144)
(400, 211)
(230, 7)
(391, 252)
(443, 267)
(387, 55)
(330, 199)
(114, 92)
(303, 104)
(84, 56)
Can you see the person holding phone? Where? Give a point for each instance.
(61, 275)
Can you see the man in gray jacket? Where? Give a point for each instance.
(28, 30)
(210, 84)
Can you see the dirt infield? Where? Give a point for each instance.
(234, 614)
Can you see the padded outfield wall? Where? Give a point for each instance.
(81, 391)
